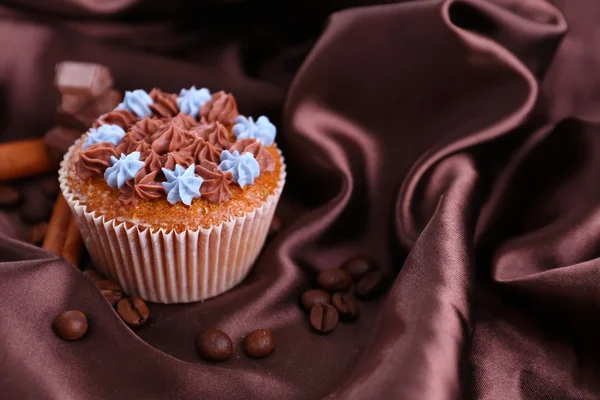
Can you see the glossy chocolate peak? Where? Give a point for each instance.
(170, 137)
(222, 108)
(215, 134)
(144, 186)
(215, 187)
(143, 129)
(264, 158)
(164, 105)
(184, 121)
(124, 118)
(94, 160)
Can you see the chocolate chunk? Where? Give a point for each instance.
(370, 286)
(133, 311)
(71, 103)
(214, 345)
(37, 232)
(70, 325)
(334, 280)
(314, 297)
(59, 139)
(82, 79)
(259, 343)
(92, 275)
(358, 266)
(111, 290)
(85, 117)
(323, 318)
(346, 306)
(9, 196)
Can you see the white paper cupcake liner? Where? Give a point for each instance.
(171, 267)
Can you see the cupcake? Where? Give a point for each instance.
(174, 194)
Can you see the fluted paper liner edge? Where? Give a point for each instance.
(171, 267)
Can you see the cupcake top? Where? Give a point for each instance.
(175, 161)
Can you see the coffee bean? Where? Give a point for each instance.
(314, 297)
(93, 275)
(346, 306)
(323, 318)
(214, 345)
(275, 226)
(111, 290)
(370, 286)
(70, 325)
(9, 196)
(133, 311)
(37, 232)
(335, 280)
(259, 343)
(358, 266)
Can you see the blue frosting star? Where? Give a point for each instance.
(262, 130)
(112, 134)
(137, 102)
(244, 168)
(122, 169)
(190, 100)
(182, 184)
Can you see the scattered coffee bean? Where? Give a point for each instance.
(214, 345)
(335, 280)
(314, 297)
(259, 343)
(323, 318)
(9, 196)
(276, 226)
(70, 325)
(37, 232)
(358, 266)
(346, 306)
(133, 311)
(111, 290)
(370, 286)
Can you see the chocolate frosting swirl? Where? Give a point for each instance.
(222, 108)
(144, 186)
(215, 187)
(183, 158)
(206, 151)
(94, 160)
(266, 162)
(122, 117)
(184, 121)
(215, 134)
(143, 129)
(164, 105)
(171, 137)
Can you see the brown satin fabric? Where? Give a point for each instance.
(457, 142)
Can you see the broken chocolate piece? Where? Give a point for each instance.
(86, 80)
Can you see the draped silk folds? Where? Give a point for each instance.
(456, 142)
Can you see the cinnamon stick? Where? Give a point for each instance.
(73, 245)
(63, 237)
(23, 158)
(58, 226)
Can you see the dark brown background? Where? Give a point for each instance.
(456, 142)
